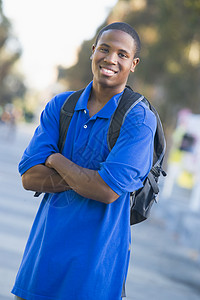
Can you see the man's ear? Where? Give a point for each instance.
(135, 63)
(93, 48)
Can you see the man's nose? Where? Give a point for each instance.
(111, 58)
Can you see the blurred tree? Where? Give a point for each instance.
(80, 74)
(69, 76)
(11, 82)
(170, 31)
(169, 72)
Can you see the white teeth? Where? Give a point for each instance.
(109, 72)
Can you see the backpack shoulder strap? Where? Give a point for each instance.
(159, 140)
(128, 100)
(66, 114)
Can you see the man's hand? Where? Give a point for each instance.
(48, 161)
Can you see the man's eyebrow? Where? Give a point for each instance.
(106, 45)
(122, 50)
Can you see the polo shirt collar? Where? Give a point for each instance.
(83, 100)
(106, 112)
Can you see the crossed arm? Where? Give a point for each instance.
(60, 174)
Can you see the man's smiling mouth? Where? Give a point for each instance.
(107, 71)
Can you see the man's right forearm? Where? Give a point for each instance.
(43, 179)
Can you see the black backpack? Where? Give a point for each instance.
(141, 200)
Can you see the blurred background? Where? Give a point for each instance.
(45, 48)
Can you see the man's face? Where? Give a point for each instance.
(113, 59)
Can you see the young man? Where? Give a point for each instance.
(79, 244)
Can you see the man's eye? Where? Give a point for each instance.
(122, 55)
(103, 50)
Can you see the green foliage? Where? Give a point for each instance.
(84, 63)
(169, 71)
(11, 84)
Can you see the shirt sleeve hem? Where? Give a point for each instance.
(110, 183)
(117, 189)
(27, 165)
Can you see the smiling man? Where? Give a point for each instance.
(79, 245)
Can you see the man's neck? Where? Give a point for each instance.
(102, 95)
(99, 97)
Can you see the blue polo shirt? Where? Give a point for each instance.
(78, 248)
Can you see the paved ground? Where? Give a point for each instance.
(162, 267)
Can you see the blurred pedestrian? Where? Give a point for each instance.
(79, 245)
(8, 122)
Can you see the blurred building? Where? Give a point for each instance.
(182, 182)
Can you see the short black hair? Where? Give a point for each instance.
(123, 27)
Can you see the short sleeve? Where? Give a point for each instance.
(131, 158)
(45, 139)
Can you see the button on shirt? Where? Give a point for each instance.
(81, 246)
